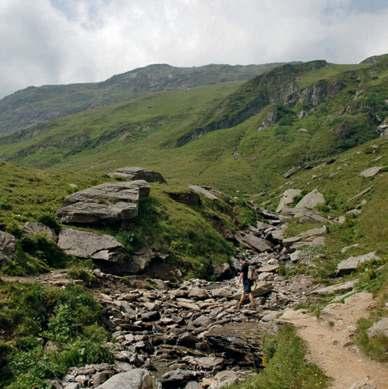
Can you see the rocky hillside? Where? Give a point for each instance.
(113, 274)
(37, 105)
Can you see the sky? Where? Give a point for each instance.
(67, 41)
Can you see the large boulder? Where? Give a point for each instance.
(371, 172)
(288, 197)
(252, 241)
(132, 379)
(352, 263)
(380, 328)
(7, 246)
(83, 244)
(115, 202)
(137, 173)
(311, 200)
(178, 378)
(36, 228)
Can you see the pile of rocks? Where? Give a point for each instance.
(191, 333)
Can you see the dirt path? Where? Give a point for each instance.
(329, 340)
(54, 277)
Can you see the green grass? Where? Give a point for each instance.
(45, 331)
(145, 131)
(375, 281)
(192, 236)
(286, 366)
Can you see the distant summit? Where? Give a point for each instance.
(36, 105)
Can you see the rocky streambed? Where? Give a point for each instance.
(191, 333)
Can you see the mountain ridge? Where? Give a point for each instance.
(37, 105)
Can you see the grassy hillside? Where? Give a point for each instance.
(193, 236)
(36, 105)
(331, 108)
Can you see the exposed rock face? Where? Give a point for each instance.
(132, 379)
(83, 244)
(7, 246)
(380, 328)
(288, 198)
(202, 191)
(352, 263)
(311, 200)
(137, 173)
(371, 172)
(188, 197)
(106, 203)
(36, 228)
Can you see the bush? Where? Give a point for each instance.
(32, 315)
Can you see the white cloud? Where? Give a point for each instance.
(62, 41)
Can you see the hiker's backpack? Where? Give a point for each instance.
(252, 276)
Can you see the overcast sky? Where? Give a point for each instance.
(63, 41)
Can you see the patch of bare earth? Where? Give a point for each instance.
(329, 340)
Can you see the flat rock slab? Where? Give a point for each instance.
(311, 200)
(371, 172)
(106, 203)
(202, 191)
(137, 173)
(352, 263)
(254, 242)
(132, 379)
(83, 244)
(338, 288)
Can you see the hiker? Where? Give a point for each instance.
(247, 278)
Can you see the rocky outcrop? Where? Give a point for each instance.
(137, 173)
(288, 198)
(7, 246)
(352, 263)
(311, 200)
(83, 244)
(36, 228)
(110, 203)
(203, 191)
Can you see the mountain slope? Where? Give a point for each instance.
(36, 105)
(330, 108)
